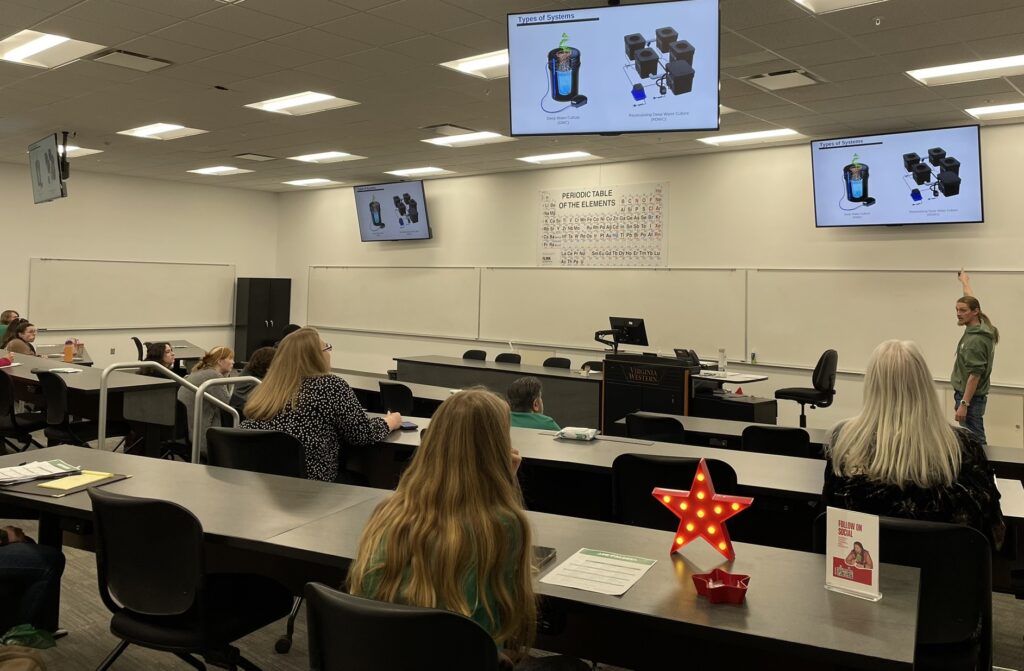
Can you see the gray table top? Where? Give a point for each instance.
(512, 368)
(57, 352)
(754, 470)
(186, 351)
(782, 582)
(87, 379)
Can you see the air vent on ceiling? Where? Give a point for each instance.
(447, 129)
(132, 61)
(784, 79)
(256, 157)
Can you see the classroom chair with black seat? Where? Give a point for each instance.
(273, 452)
(557, 362)
(60, 429)
(660, 429)
(823, 391)
(509, 357)
(593, 366)
(140, 348)
(634, 477)
(187, 610)
(954, 613)
(396, 397)
(785, 440)
(350, 633)
(17, 426)
(475, 354)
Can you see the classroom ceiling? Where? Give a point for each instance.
(383, 53)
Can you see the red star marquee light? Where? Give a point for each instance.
(702, 513)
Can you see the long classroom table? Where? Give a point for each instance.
(311, 529)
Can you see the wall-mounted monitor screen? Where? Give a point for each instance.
(392, 211)
(44, 169)
(650, 67)
(919, 177)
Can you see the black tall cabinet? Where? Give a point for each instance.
(262, 310)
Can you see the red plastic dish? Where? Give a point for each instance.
(721, 586)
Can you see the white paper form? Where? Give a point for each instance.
(37, 470)
(599, 571)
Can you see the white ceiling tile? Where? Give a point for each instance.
(360, 26)
(321, 43)
(86, 31)
(238, 19)
(275, 54)
(183, 9)
(121, 15)
(236, 66)
(482, 36)
(426, 15)
(306, 12)
(206, 37)
(168, 50)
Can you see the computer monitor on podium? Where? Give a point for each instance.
(628, 331)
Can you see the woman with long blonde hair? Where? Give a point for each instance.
(301, 397)
(216, 363)
(901, 457)
(454, 534)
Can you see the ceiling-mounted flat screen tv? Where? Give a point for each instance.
(392, 211)
(649, 67)
(44, 164)
(918, 177)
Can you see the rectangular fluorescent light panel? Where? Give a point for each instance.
(326, 157)
(970, 72)
(75, 152)
(43, 50)
(469, 139)
(417, 172)
(220, 170)
(997, 111)
(757, 137)
(298, 104)
(493, 65)
(826, 6)
(316, 181)
(564, 157)
(161, 131)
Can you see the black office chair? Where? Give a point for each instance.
(596, 366)
(349, 633)
(476, 354)
(557, 362)
(634, 476)
(509, 357)
(785, 440)
(17, 426)
(185, 610)
(661, 429)
(954, 613)
(273, 452)
(140, 348)
(396, 397)
(174, 442)
(824, 390)
(60, 429)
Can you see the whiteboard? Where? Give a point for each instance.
(97, 294)
(422, 301)
(795, 315)
(701, 309)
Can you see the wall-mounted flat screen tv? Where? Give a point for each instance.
(918, 177)
(392, 211)
(650, 67)
(44, 166)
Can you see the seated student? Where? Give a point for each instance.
(257, 366)
(19, 337)
(35, 570)
(301, 397)
(6, 317)
(902, 457)
(524, 396)
(287, 331)
(216, 363)
(454, 534)
(160, 352)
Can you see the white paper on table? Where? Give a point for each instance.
(599, 571)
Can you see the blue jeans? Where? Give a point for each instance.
(34, 571)
(975, 421)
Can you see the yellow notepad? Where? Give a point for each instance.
(72, 481)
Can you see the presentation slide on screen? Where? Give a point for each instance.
(395, 211)
(923, 177)
(650, 67)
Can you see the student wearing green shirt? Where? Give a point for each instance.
(972, 368)
(524, 397)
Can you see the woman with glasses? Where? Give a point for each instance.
(301, 397)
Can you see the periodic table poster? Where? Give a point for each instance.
(604, 226)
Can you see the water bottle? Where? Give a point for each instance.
(69, 350)
(721, 359)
